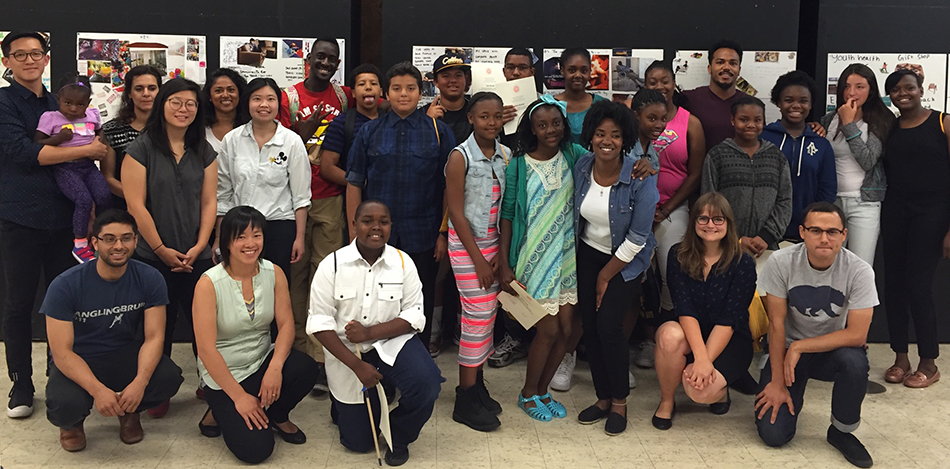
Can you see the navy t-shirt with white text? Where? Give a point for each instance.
(106, 315)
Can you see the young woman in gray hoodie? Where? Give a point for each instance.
(753, 175)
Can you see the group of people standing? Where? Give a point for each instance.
(232, 205)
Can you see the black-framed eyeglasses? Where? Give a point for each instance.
(704, 220)
(521, 67)
(20, 56)
(817, 232)
(110, 240)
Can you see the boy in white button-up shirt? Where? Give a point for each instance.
(369, 295)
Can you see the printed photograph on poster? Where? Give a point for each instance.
(424, 56)
(759, 72)
(283, 59)
(932, 68)
(599, 83)
(6, 76)
(106, 57)
(628, 70)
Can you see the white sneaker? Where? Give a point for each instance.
(631, 379)
(646, 358)
(565, 372)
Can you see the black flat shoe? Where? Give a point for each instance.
(720, 408)
(592, 414)
(661, 423)
(296, 438)
(616, 424)
(210, 431)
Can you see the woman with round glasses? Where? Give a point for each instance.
(712, 281)
(170, 181)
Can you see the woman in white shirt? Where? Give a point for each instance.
(264, 165)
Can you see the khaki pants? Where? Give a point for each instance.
(323, 236)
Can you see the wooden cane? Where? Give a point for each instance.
(372, 421)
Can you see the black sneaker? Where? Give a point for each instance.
(397, 456)
(21, 400)
(470, 411)
(850, 447)
(507, 352)
(321, 388)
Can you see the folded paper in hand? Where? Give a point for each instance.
(523, 307)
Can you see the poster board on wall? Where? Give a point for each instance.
(281, 58)
(106, 57)
(7, 76)
(760, 70)
(617, 71)
(932, 67)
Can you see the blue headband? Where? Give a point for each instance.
(547, 99)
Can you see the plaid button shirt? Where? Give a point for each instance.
(400, 162)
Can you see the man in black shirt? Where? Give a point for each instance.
(35, 217)
(452, 76)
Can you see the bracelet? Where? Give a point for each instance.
(664, 212)
(157, 247)
(848, 139)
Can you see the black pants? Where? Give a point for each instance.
(419, 380)
(68, 404)
(279, 243)
(912, 232)
(607, 351)
(847, 367)
(27, 253)
(428, 269)
(254, 446)
(181, 294)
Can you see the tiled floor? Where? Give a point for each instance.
(902, 428)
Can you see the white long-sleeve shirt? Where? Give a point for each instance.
(347, 288)
(274, 179)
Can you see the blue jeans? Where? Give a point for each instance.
(420, 381)
(846, 367)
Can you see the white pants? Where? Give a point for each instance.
(668, 233)
(863, 221)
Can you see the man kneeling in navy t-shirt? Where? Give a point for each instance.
(95, 314)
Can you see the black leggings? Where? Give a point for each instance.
(607, 351)
(912, 232)
(181, 294)
(254, 446)
(279, 243)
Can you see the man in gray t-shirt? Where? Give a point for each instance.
(820, 300)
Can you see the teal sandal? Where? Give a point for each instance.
(540, 411)
(557, 409)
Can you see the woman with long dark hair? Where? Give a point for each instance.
(141, 85)
(857, 130)
(169, 179)
(223, 91)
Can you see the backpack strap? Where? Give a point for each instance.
(293, 104)
(941, 124)
(340, 95)
(436, 127)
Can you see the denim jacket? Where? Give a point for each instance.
(632, 206)
(478, 183)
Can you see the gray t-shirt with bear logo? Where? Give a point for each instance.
(818, 300)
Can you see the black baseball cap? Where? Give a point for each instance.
(446, 61)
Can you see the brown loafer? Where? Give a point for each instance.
(896, 374)
(919, 380)
(130, 428)
(73, 440)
